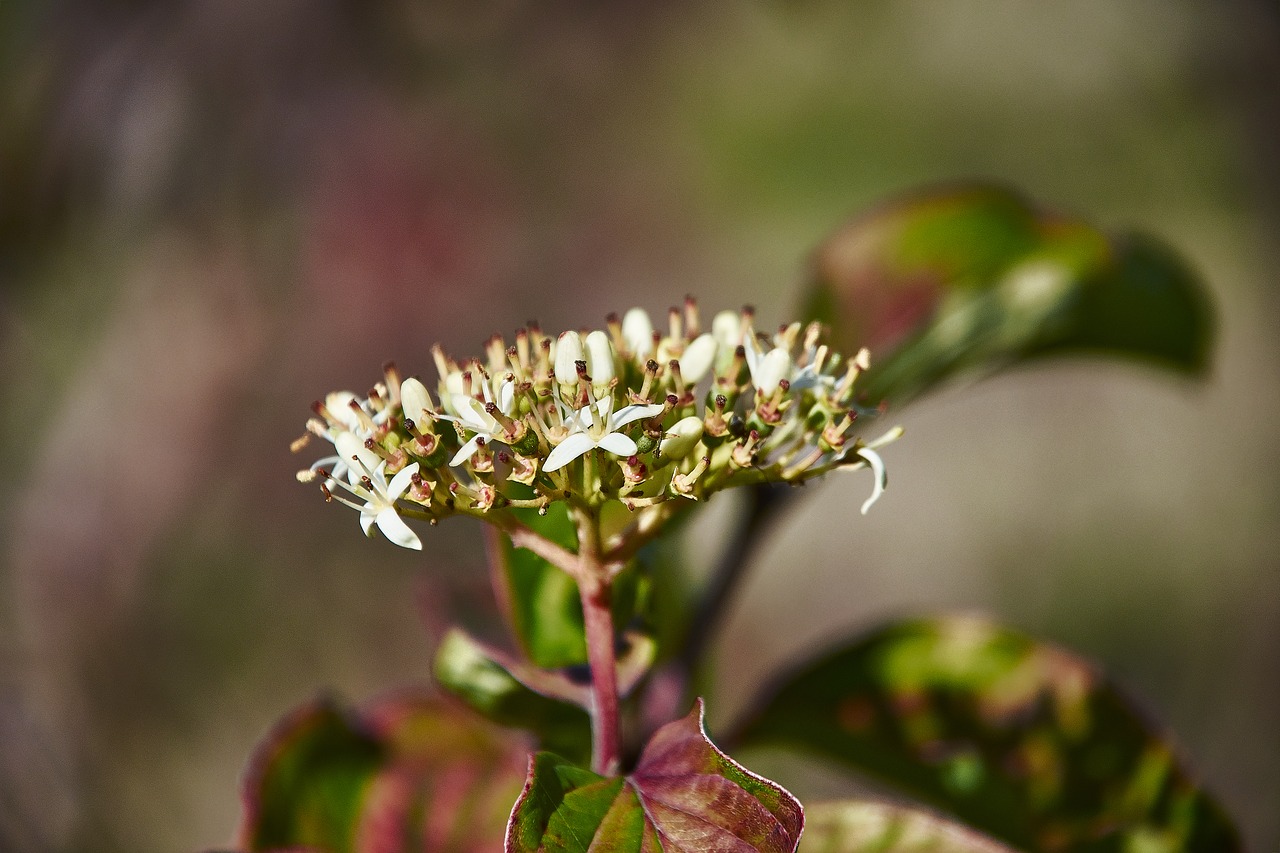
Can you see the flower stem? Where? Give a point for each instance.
(594, 588)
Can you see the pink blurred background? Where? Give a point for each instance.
(212, 213)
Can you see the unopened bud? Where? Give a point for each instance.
(600, 360)
(773, 369)
(568, 351)
(698, 358)
(680, 440)
(637, 331)
(726, 327)
(415, 400)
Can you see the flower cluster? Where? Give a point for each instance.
(630, 413)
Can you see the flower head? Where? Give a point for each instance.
(631, 412)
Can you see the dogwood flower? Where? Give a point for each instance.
(474, 415)
(380, 498)
(597, 426)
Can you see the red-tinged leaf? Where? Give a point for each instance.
(970, 279)
(861, 826)
(684, 795)
(406, 774)
(1017, 738)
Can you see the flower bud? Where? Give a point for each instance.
(600, 364)
(568, 351)
(727, 328)
(637, 331)
(698, 358)
(414, 399)
(680, 440)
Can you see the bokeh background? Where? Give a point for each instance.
(213, 212)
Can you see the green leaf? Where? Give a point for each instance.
(542, 601)
(683, 795)
(860, 826)
(546, 613)
(971, 279)
(487, 684)
(1020, 739)
(405, 774)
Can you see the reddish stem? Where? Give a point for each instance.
(598, 621)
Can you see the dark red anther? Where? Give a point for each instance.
(453, 488)
(784, 384)
(721, 402)
(416, 479)
(410, 426)
(491, 407)
(612, 317)
(480, 442)
(651, 366)
(367, 483)
(672, 399)
(633, 460)
(504, 457)
(328, 495)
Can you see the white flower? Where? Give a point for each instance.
(869, 457)
(767, 369)
(473, 415)
(597, 426)
(380, 498)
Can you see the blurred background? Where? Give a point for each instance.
(212, 213)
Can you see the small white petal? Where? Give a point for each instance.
(618, 444)
(466, 451)
(755, 355)
(568, 450)
(339, 405)
(727, 328)
(349, 445)
(394, 528)
(414, 399)
(368, 516)
(771, 370)
(507, 397)
(600, 359)
(698, 358)
(634, 412)
(453, 382)
(882, 476)
(568, 352)
(400, 482)
(637, 331)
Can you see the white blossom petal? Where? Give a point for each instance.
(466, 451)
(349, 445)
(394, 528)
(882, 476)
(771, 370)
(367, 518)
(401, 481)
(681, 438)
(568, 450)
(618, 444)
(507, 397)
(634, 412)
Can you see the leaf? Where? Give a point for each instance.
(975, 278)
(684, 795)
(542, 601)
(405, 774)
(487, 684)
(857, 826)
(1020, 739)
